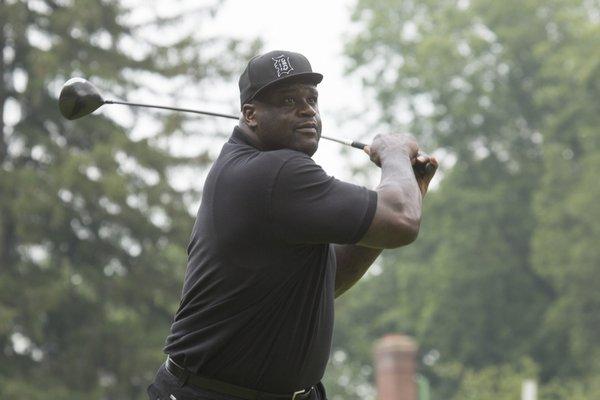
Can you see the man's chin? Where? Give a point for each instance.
(312, 151)
(308, 148)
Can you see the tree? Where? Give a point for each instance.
(506, 261)
(566, 205)
(92, 231)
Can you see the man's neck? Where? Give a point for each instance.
(251, 136)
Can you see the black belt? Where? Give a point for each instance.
(227, 388)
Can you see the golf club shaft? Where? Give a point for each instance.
(352, 143)
(214, 114)
(357, 145)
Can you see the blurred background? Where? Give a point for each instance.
(95, 214)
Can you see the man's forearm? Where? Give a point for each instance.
(352, 263)
(398, 214)
(399, 182)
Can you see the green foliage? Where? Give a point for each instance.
(506, 265)
(478, 286)
(495, 383)
(576, 389)
(92, 233)
(567, 206)
(347, 379)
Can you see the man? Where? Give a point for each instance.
(275, 240)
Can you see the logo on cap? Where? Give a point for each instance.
(282, 65)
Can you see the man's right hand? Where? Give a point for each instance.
(393, 146)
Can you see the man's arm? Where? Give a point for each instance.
(352, 263)
(398, 214)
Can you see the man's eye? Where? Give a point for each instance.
(312, 100)
(290, 101)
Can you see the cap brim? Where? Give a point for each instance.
(304, 77)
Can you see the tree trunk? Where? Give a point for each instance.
(7, 225)
(3, 91)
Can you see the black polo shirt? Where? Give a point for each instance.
(257, 301)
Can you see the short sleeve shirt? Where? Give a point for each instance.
(257, 301)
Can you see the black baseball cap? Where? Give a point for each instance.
(272, 68)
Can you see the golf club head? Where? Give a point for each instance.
(78, 98)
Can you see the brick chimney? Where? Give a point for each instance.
(395, 368)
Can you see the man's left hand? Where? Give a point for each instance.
(424, 166)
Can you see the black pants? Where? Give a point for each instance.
(168, 387)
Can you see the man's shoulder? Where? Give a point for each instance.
(272, 159)
(284, 156)
(260, 167)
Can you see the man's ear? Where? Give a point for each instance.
(249, 114)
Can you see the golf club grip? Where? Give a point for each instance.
(424, 169)
(358, 145)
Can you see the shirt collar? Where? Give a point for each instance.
(239, 137)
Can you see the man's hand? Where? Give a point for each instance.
(425, 167)
(392, 146)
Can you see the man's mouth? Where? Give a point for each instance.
(308, 128)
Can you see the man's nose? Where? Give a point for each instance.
(308, 109)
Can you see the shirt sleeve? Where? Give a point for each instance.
(309, 206)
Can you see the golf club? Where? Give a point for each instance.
(78, 98)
